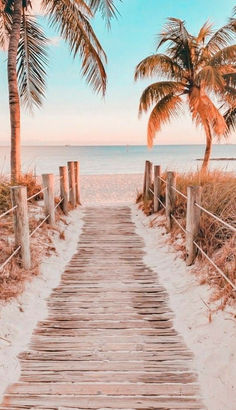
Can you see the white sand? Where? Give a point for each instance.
(213, 344)
(110, 189)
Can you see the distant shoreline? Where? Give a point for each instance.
(218, 159)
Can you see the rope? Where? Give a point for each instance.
(206, 256)
(44, 220)
(37, 193)
(158, 198)
(163, 180)
(8, 211)
(216, 217)
(215, 266)
(57, 205)
(195, 243)
(10, 257)
(37, 227)
(179, 192)
(177, 222)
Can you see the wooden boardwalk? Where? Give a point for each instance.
(108, 341)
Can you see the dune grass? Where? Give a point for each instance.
(13, 277)
(218, 241)
(5, 192)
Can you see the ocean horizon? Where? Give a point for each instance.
(118, 159)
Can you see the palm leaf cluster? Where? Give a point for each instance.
(197, 70)
(72, 20)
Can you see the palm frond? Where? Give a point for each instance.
(31, 63)
(230, 119)
(210, 77)
(5, 24)
(107, 8)
(224, 56)
(204, 112)
(167, 108)
(221, 38)
(174, 31)
(81, 5)
(230, 79)
(154, 92)
(74, 27)
(204, 32)
(159, 64)
(179, 42)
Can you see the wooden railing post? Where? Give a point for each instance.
(21, 223)
(49, 205)
(77, 182)
(192, 221)
(147, 179)
(64, 189)
(71, 174)
(170, 197)
(157, 187)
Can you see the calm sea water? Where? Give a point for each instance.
(117, 159)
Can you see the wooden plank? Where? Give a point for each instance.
(108, 340)
(137, 376)
(92, 402)
(124, 389)
(111, 356)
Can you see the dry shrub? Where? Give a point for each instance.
(30, 181)
(27, 180)
(13, 276)
(218, 241)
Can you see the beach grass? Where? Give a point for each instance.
(27, 180)
(13, 276)
(218, 241)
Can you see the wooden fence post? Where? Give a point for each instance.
(77, 182)
(71, 174)
(64, 190)
(21, 223)
(192, 221)
(147, 179)
(170, 197)
(157, 187)
(49, 205)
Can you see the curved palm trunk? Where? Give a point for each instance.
(14, 101)
(208, 148)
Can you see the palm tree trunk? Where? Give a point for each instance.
(14, 101)
(208, 148)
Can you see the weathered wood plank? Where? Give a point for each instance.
(108, 340)
(91, 402)
(123, 389)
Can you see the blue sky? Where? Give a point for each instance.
(73, 114)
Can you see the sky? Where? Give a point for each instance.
(73, 114)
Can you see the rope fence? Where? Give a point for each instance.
(179, 192)
(8, 211)
(216, 217)
(37, 194)
(193, 216)
(69, 175)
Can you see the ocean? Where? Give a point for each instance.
(98, 160)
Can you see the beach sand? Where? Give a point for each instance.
(212, 343)
(110, 189)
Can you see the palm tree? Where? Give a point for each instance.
(27, 52)
(199, 71)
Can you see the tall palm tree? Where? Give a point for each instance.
(27, 52)
(199, 71)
